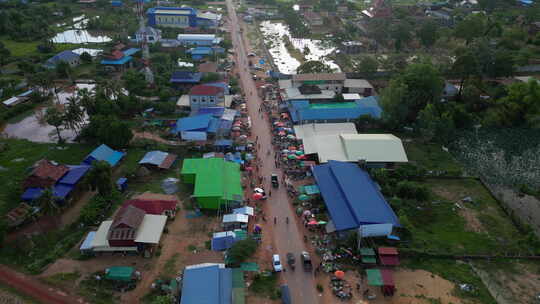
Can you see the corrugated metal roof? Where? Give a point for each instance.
(308, 130)
(104, 153)
(151, 229)
(351, 197)
(357, 83)
(373, 147)
(154, 158)
(207, 285)
(319, 76)
(192, 123)
(74, 174)
(186, 77)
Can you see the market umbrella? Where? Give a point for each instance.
(257, 196)
(257, 228)
(249, 168)
(313, 222)
(292, 148)
(243, 136)
(301, 156)
(322, 223)
(249, 156)
(280, 124)
(339, 274)
(285, 151)
(258, 190)
(303, 197)
(299, 152)
(281, 133)
(299, 210)
(276, 123)
(290, 136)
(236, 128)
(307, 213)
(291, 156)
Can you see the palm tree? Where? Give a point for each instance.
(74, 114)
(55, 118)
(48, 205)
(100, 178)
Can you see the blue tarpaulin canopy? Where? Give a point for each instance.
(351, 197)
(194, 123)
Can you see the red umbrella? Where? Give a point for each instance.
(257, 196)
(281, 133)
(249, 168)
(339, 274)
(292, 148)
(313, 222)
(280, 124)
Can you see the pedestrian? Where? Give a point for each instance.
(270, 193)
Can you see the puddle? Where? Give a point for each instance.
(77, 33)
(273, 33)
(34, 128)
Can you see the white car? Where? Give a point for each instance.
(277, 263)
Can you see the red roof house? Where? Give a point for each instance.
(388, 256)
(206, 90)
(45, 174)
(123, 230)
(153, 206)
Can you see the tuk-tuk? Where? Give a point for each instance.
(275, 181)
(285, 295)
(291, 260)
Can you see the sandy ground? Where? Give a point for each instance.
(409, 285)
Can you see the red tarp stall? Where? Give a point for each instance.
(388, 287)
(388, 256)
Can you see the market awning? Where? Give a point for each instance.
(374, 277)
(119, 273)
(311, 189)
(368, 255)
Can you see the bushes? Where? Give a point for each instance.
(241, 251)
(412, 190)
(96, 209)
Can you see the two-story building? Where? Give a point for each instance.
(206, 96)
(181, 17)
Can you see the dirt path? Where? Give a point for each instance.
(35, 289)
(493, 287)
(287, 237)
(72, 213)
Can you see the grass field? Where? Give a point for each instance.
(480, 227)
(431, 156)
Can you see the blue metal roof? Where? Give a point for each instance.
(154, 158)
(63, 56)
(222, 243)
(193, 123)
(207, 285)
(351, 197)
(120, 61)
(213, 127)
(105, 153)
(201, 50)
(131, 51)
(371, 105)
(186, 77)
(74, 174)
(215, 111)
(60, 191)
(155, 10)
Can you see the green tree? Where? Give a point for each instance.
(241, 251)
(86, 58)
(100, 178)
(313, 66)
(74, 115)
(4, 55)
(401, 33)
(435, 124)
(63, 70)
(210, 77)
(48, 204)
(367, 66)
(428, 33)
(472, 27)
(56, 119)
(395, 109)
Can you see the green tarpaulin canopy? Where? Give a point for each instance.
(311, 189)
(249, 266)
(119, 273)
(368, 255)
(374, 277)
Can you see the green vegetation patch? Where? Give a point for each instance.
(432, 157)
(265, 284)
(63, 279)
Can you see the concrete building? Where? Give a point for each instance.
(181, 17)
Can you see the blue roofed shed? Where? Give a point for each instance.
(207, 284)
(351, 197)
(104, 153)
(60, 192)
(120, 61)
(74, 174)
(69, 57)
(185, 77)
(194, 123)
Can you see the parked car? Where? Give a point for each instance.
(306, 261)
(291, 260)
(277, 263)
(275, 181)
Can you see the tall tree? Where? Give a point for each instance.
(100, 178)
(55, 118)
(367, 66)
(313, 66)
(428, 33)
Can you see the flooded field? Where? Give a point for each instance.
(34, 128)
(78, 34)
(273, 34)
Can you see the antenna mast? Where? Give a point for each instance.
(148, 75)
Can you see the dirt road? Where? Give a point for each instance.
(35, 289)
(287, 237)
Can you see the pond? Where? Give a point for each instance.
(273, 33)
(77, 33)
(34, 128)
